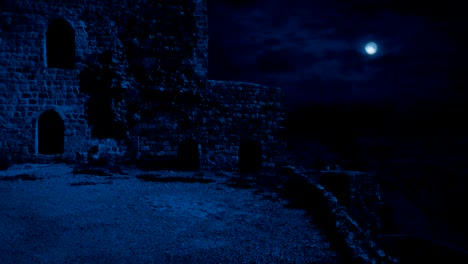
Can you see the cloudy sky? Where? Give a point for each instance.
(315, 49)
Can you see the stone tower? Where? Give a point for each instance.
(128, 78)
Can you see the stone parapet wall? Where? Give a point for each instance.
(358, 191)
(339, 222)
(366, 201)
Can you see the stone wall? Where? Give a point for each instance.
(359, 192)
(28, 87)
(157, 43)
(217, 118)
(338, 217)
(153, 51)
(243, 111)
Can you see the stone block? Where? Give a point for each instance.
(145, 148)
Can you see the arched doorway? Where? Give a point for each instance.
(188, 156)
(60, 45)
(50, 133)
(250, 156)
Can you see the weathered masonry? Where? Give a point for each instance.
(128, 78)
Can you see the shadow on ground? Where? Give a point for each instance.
(161, 179)
(23, 177)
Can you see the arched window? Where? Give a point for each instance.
(50, 130)
(60, 45)
(188, 156)
(250, 156)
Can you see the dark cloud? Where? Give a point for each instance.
(238, 4)
(276, 60)
(315, 50)
(437, 10)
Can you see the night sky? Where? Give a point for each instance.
(315, 49)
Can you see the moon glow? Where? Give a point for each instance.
(371, 48)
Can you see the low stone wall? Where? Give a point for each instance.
(217, 118)
(246, 110)
(356, 242)
(359, 192)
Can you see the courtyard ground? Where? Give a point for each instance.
(49, 214)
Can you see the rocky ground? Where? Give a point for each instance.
(56, 213)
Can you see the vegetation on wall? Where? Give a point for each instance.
(158, 47)
(159, 42)
(113, 106)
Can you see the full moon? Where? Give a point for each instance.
(371, 48)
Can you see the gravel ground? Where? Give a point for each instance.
(76, 218)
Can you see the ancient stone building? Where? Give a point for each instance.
(127, 79)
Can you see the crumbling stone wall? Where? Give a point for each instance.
(29, 87)
(141, 63)
(218, 118)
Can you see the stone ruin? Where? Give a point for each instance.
(126, 80)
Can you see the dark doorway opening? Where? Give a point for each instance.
(60, 45)
(50, 133)
(250, 156)
(188, 156)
